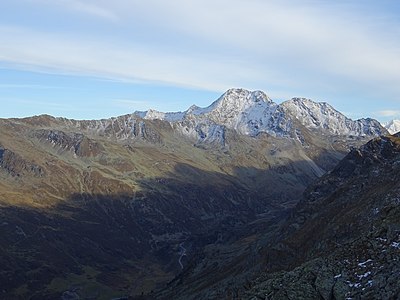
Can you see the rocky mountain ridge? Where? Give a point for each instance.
(322, 116)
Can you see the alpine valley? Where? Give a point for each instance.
(244, 199)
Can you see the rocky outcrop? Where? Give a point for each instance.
(16, 166)
(122, 128)
(344, 236)
(76, 143)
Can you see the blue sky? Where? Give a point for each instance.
(88, 59)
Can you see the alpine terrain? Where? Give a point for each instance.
(392, 126)
(245, 198)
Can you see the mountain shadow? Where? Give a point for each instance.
(102, 246)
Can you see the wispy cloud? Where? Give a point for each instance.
(214, 45)
(26, 86)
(29, 49)
(92, 8)
(389, 113)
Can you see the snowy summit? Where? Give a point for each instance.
(392, 126)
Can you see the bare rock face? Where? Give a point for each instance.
(75, 143)
(16, 166)
(122, 128)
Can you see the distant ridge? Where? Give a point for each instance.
(392, 126)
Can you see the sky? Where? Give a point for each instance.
(91, 59)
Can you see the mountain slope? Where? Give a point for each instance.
(346, 232)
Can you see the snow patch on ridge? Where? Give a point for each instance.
(170, 116)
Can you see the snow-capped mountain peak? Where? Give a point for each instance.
(242, 110)
(253, 112)
(392, 126)
(240, 99)
(317, 115)
(321, 115)
(248, 112)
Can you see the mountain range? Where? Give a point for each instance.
(252, 113)
(194, 204)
